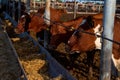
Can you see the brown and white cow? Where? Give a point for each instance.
(61, 32)
(83, 42)
(35, 22)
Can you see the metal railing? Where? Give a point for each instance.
(80, 8)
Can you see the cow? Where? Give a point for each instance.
(83, 40)
(35, 23)
(61, 31)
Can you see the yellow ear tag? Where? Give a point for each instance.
(47, 29)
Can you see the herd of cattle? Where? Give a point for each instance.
(71, 32)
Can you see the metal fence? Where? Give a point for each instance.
(80, 8)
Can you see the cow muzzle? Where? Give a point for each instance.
(69, 50)
(74, 52)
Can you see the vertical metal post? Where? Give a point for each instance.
(0, 3)
(47, 15)
(28, 5)
(34, 5)
(64, 3)
(13, 9)
(7, 6)
(19, 9)
(106, 53)
(53, 4)
(74, 9)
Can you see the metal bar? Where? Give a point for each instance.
(28, 5)
(13, 9)
(106, 52)
(7, 6)
(19, 9)
(23, 74)
(75, 9)
(34, 5)
(10, 18)
(90, 33)
(47, 15)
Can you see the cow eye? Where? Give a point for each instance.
(76, 33)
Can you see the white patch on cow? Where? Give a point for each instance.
(22, 16)
(77, 51)
(116, 63)
(83, 22)
(28, 13)
(97, 41)
(68, 42)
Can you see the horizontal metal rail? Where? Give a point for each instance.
(6, 16)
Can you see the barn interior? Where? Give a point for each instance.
(34, 56)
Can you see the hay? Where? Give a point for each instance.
(34, 63)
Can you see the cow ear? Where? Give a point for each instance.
(90, 21)
(89, 18)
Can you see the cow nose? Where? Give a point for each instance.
(67, 48)
(74, 52)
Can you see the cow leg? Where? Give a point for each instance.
(90, 60)
(40, 37)
(116, 67)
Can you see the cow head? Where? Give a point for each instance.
(82, 40)
(23, 23)
(57, 14)
(20, 25)
(61, 32)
